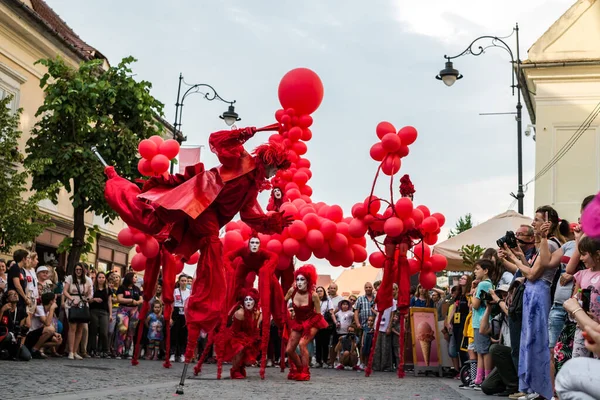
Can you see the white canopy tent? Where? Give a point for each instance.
(484, 235)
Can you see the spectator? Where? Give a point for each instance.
(346, 350)
(448, 331)
(382, 360)
(344, 317)
(500, 276)
(155, 323)
(461, 310)
(45, 284)
(16, 277)
(324, 335)
(32, 282)
(352, 299)
(421, 298)
(100, 312)
(113, 284)
(367, 340)
(76, 293)
(14, 324)
(3, 278)
(396, 339)
(178, 327)
(157, 293)
(482, 270)
(42, 333)
(333, 296)
(363, 309)
(437, 301)
(526, 240)
(128, 296)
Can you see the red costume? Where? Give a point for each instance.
(304, 325)
(286, 275)
(192, 208)
(239, 341)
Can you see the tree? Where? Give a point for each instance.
(471, 253)
(20, 219)
(463, 224)
(86, 107)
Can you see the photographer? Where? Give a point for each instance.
(14, 324)
(42, 333)
(346, 350)
(503, 379)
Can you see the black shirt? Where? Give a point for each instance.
(12, 319)
(17, 272)
(133, 293)
(100, 294)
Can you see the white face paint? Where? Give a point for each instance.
(277, 193)
(249, 303)
(254, 245)
(301, 282)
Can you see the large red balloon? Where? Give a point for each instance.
(360, 253)
(125, 237)
(342, 227)
(408, 135)
(295, 133)
(391, 165)
(428, 280)
(147, 149)
(290, 247)
(414, 266)
(328, 228)
(157, 140)
(418, 216)
(393, 226)
(297, 230)
(438, 262)
(425, 210)
(193, 259)
(440, 218)
(404, 207)
(138, 262)
(422, 252)
(284, 262)
(160, 164)
(338, 242)
(145, 167)
(302, 90)
(300, 178)
(315, 239)
(169, 148)
(377, 259)
(299, 148)
(335, 213)
(275, 246)
(391, 142)
(312, 220)
(359, 210)
(150, 248)
(384, 128)
(377, 152)
(322, 252)
(372, 204)
(304, 252)
(430, 225)
(232, 226)
(233, 241)
(357, 228)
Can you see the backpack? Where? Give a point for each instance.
(515, 310)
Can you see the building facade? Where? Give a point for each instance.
(561, 80)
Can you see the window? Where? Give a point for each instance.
(10, 84)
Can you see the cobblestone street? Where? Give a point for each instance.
(113, 379)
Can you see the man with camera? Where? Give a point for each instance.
(504, 379)
(14, 324)
(346, 350)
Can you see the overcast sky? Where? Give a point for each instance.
(377, 61)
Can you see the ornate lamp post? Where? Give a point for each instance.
(449, 76)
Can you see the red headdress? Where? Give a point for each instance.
(310, 273)
(407, 189)
(252, 293)
(273, 154)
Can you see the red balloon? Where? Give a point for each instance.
(169, 148)
(322, 252)
(428, 280)
(377, 259)
(391, 142)
(417, 216)
(125, 237)
(338, 242)
(438, 262)
(360, 253)
(323, 210)
(147, 149)
(357, 228)
(408, 135)
(232, 226)
(303, 163)
(304, 252)
(422, 252)
(334, 258)
(297, 230)
(295, 134)
(347, 257)
(335, 213)
(404, 207)
(430, 239)
(157, 140)
(306, 134)
(290, 247)
(388, 212)
(393, 226)
(233, 241)
(440, 218)
(245, 230)
(138, 237)
(307, 171)
(305, 121)
(306, 191)
(312, 221)
(293, 194)
(403, 151)
(284, 263)
(414, 266)
(359, 210)
(276, 138)
(430, 225)
(384, 128)
(299, 203)
(391, 165)
(369, 219)
(328, 228)
(150, 248)
(194, 259)
(138, 262)
(145, 167)
(377, 152)
(300, 178)
(315, 239)
(299, 148)
(302, 90)
(275, 246)
(278, 114)
(286, 119)
(378, 223)
(342, 227)
(373, 204)
(160, 164)
(409, 224)
(425, 210)
(289, 209)
(291, 185)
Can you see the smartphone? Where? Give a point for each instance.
(585, 299)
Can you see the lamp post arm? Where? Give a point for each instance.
(210, 95)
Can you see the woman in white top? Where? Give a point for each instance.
(76, 293)
(178, 327)
(323, 336)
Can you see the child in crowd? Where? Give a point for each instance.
(482, 269)
(367, 339)
(468, 337)
(396, 339)
(155, 323)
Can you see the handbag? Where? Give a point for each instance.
(79, 314)
(328, 317)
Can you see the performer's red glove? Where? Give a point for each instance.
(286, 220)
(110, 172)
(247, 133)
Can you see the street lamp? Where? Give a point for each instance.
(449, 75)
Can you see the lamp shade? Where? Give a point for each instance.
(449, 75)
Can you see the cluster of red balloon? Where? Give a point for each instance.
(427, 264)
(145, 245)
(156, 155)
(392, 147)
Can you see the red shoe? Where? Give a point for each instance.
(236, 374)
(243, 371)
(292, 375)
(303, 375)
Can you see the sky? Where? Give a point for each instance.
(377, 61)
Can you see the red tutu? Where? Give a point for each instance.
(315, 321)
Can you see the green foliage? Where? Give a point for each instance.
(463, 224)
(471, 253)
(86, 107)
(88, 246)
(20, 220)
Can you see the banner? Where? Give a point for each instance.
(188, 156)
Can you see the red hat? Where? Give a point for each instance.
(310, 273)
(252, 293)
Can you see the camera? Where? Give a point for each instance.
(485, 296)
(510, 239)
(585, 299)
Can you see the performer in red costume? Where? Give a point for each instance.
(239, 341)
(286, 275)
(306, 322)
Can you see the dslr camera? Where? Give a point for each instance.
(485, 296)
(510, 239)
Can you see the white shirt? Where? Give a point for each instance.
(335, 301)
(36, 322)
(326, 306)
(180, 297)
(386, 317)
(32, 281)
(345, 319)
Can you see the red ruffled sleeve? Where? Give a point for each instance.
(253, 215)
(228, 145)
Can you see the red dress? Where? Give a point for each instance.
(305, 317)
(241, 336)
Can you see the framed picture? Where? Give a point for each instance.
(425, 337)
